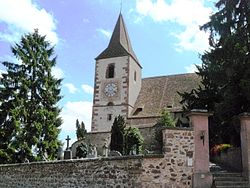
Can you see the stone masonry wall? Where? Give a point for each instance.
(167, 170)
(172, 170)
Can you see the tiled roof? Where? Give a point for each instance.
(158, 93)
(119, 44)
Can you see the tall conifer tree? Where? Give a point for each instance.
(29, 121)
(225, 70)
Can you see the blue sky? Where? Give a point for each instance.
(165, 36)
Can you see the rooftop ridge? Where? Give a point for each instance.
(167, 76)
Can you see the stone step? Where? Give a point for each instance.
(227, 174)
(229, 178)
(231, 183)
(233, 186)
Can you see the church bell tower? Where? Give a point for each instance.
(117, 80)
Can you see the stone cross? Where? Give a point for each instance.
(68, 139)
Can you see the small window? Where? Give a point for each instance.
(109, 118)
(110, 72)
(135, 76)
(137, 111)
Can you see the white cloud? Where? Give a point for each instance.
(57, 72)
(191, 68)
(188, 13)
(70, 87)
(24, 16)
(106, 33)
(87, 89)
(81, 110)
(192, 39)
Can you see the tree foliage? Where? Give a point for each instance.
(82, 150)
(125, 139)
(225, 70)
(133, 140)
(165, 121)
(117, 134)
(80, 130)
(29, 116)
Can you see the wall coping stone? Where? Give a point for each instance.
(200, 112)
(244, 115)
(113, 158)
(179, 128)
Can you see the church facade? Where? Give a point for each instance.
(120, 89)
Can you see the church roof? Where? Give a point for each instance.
(158, 93)
(119, 44)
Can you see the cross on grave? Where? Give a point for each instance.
(68, 139)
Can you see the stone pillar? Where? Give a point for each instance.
(202, 177)
(245, 143)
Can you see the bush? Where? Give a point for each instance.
(165, 121)
(125, 139)
(133, 140)
(82, 150)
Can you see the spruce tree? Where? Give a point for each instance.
(29, 96)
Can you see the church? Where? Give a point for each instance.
(119, 89)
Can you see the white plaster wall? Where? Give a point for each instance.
(120, 100)
(134, 86)
(121, 66)
(101, 121)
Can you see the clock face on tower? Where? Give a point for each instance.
(110, 89)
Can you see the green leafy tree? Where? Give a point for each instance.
(133, 140)
(29, 121)
(225, 70)
(82, 150)
(80, 130)
(165, 121)
(117, 134)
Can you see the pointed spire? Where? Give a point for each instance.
(119, 44)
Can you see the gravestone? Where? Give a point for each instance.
(92, 151)
(60, 153)
(114, 153)
(105, 150)
(68, 152)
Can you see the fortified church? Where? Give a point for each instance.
(120, 90)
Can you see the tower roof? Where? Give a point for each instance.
(119, 44)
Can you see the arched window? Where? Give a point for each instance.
(110, 72)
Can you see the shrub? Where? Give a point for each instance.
(133, 140)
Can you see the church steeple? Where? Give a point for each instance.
(117, 80)
(119, 44)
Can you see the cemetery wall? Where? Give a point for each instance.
(172, 169)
